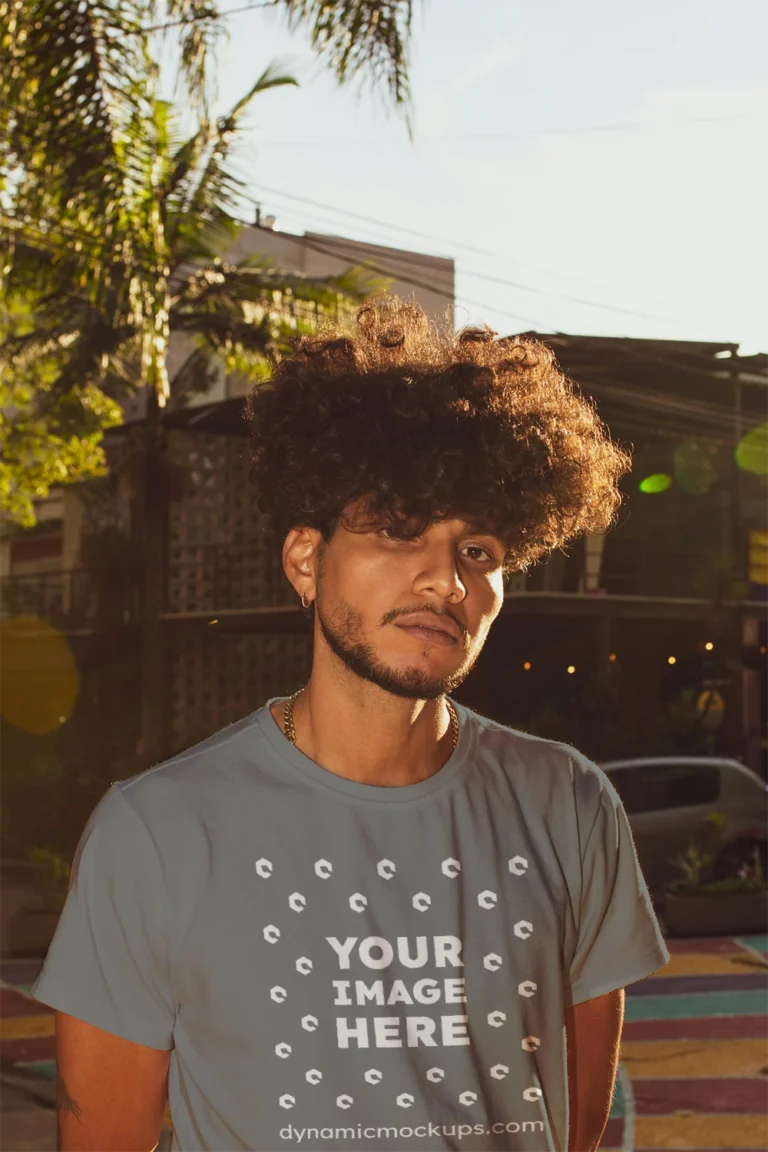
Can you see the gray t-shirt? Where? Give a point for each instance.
(342, 966)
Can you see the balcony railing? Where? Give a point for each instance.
(244, 576)
(642, 571)
(66, 599)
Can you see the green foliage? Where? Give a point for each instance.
(695, 865)
(51, 875)
(116, 227)
(48, 435)
(607, 721)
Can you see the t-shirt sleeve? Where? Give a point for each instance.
(619, 940)
(108, 963)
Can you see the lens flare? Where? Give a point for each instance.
(659, 482)
(752, 451)
(693, 468)
(38, 675)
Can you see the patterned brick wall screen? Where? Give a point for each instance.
(218, 555)
(219, 677)
(219, 559)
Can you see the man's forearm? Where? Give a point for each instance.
(593, 1036)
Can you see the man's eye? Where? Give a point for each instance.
(391, 532)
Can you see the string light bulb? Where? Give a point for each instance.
(612, 657)
(672, 660)
(527, 665)
(571, 669)
(709, 645)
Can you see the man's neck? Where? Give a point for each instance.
(374, 737)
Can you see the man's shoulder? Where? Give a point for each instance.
(541, 766)
(516, 746)
(204, 768)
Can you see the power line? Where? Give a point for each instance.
(713, 414)
(470, 248)
(635, 353)
(197, 17)
(619, 126)
(416, 258)
(405, 257)
(431, 287)
(389, 272)
(336, 253)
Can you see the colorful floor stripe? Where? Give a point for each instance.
(694, 1055)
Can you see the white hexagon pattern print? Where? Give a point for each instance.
(377, 952)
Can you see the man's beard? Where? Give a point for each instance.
(360, 658)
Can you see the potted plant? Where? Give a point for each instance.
(31, 928)
(696, 905)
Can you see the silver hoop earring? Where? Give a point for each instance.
(302, 601)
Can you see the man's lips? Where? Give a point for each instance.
(434, 633)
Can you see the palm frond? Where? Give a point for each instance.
(216, 186)
(360, 38)
(254, 308)
(197, 374)
(201, 29)
(75, 73)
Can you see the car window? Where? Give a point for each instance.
(744, 783)
(655, 787)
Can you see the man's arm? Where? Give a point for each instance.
(593, 1035)
(110, 1092)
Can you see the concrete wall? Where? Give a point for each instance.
(428, 279)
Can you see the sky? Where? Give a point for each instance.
(593, 166)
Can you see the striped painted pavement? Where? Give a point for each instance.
(693, 1072)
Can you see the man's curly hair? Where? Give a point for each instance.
(428, 424)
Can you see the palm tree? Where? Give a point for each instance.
(116, 233)
(108, 302)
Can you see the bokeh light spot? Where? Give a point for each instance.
(693, 468)
(38, 675)
(659, 482)
(752, 451)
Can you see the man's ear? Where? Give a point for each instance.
(302, 553)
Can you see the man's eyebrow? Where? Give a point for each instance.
(481, 528)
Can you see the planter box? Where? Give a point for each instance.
(716, 913)
(30, 931)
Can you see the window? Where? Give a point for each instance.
(655, 787)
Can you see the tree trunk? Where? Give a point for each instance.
(149, 524)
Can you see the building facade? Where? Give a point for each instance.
(611, 645)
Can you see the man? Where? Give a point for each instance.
(366, 917)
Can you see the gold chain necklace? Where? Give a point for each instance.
(290, 731)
